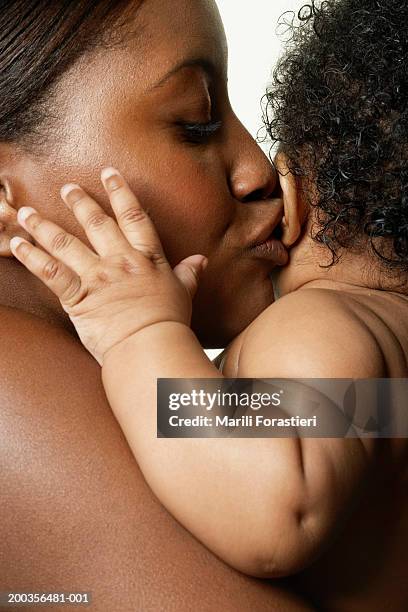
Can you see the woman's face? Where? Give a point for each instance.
(157, 108)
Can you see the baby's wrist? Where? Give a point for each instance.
(147, 339)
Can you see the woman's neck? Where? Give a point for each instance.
(21, 290)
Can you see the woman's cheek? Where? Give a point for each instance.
(189, 219)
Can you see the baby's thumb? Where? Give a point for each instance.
(188, 272)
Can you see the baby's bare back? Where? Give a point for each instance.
(364, 568)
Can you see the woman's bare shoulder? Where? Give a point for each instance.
(75, 504)
(16, 324)
(45, 366)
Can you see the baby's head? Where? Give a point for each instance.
(338, 106)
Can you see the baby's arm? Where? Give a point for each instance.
(313, 334)
(251, 501)
(266, 506)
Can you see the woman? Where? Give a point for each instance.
(143, 85)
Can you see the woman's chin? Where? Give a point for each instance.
(218, 318)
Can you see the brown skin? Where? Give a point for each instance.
(206, 198)
(363, 333)
(76, 512)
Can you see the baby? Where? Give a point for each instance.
(272, 507)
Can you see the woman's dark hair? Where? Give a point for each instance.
(39, 41)
(338, 106)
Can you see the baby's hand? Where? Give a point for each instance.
(124, 286)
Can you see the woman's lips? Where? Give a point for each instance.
(262, 237)
(271, 250)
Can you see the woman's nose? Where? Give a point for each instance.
(253, 177)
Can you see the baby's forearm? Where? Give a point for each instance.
(222, 490)
(131, 369)
(166, 350)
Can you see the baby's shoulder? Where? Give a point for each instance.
(311, 333)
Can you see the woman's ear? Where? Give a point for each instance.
(294, 206)
(9, 225)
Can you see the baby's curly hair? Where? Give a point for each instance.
(338, 106)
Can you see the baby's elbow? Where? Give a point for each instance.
(276, 550)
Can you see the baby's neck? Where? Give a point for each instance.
(353, 272)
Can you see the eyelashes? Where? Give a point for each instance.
(198, 133)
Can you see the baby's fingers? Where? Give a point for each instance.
(101, 230)
(66, 247)
(60, 279)
(132, 219)
(189, 271)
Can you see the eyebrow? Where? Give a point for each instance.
(201, 62)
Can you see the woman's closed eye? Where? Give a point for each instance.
(199, 133)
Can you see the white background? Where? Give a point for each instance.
(254, 47)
